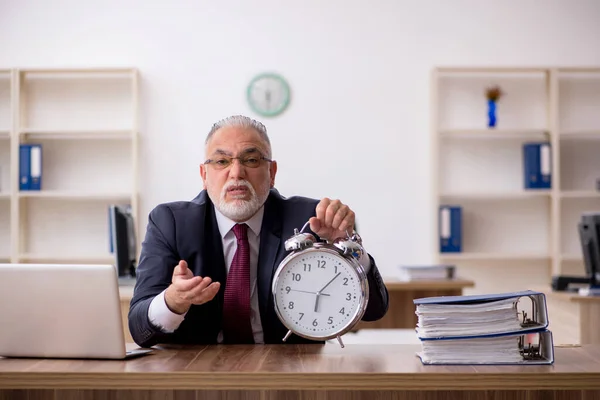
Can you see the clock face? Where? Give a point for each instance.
(318, 294)
(268, 94)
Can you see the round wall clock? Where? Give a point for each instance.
(268, 94)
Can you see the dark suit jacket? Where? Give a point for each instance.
(187, 230)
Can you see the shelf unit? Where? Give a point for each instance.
(87, 123)
(514, 238)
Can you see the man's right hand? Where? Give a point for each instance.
(187, 289)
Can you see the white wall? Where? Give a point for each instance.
(358, 125)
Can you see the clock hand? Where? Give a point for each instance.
(317, 300)
(306, 291)
(328, 283)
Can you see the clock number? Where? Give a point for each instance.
(296, 277)
(335, 266)
(342, 311)
(330, 320)
(345, 281)
(287, 289)
(307, 267)
(348, 296)
(315, 323)
(291, 305)
(301, 315)
(319, 265)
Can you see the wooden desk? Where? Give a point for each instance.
(401, 312)
(573, 319)
(248, 372)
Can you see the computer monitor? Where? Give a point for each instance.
(589, 236)
(123, 239)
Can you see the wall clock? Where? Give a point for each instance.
(268, 94)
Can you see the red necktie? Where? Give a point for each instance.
(236, 306)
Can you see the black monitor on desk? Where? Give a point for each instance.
(589, 236)
(122, 239)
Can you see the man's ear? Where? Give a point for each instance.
(203, 174)
(273, 172)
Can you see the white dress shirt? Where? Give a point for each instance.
(166, 320)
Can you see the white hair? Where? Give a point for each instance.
(243, 122)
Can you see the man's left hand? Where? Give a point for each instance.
(332, 220)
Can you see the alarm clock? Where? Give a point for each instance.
(320, 289)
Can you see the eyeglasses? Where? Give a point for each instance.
(250, 161)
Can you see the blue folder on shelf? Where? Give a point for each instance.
(450, 228)
(30, 167)
(537, 165)
(24, 167)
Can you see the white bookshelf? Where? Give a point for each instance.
(514, 238)
(6, 126)
(454, 257)
(87, 123)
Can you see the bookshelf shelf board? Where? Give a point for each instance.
(493, 133)
(583, 134)
(578, 71)
(79, 72)
(4, 134)
(4, 195)
(492, 257)
(507, 72)
(580, 194)
(568, 257)
(56, 258)
(535, 194)
(70, 134)
(72, 195)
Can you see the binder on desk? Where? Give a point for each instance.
(502, 328)
(481, 315)
(535, 348)
(450, 229)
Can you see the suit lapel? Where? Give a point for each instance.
(270, 239)
(212, 252)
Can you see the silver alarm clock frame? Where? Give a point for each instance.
(349, 249)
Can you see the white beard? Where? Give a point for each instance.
(240, 209)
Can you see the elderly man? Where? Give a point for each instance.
(206, 265)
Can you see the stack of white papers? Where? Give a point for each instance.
(501, 349)
(426, 272)
(446, 320)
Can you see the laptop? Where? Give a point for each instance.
(61, 311)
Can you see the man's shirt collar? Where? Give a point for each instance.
(254, 223)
